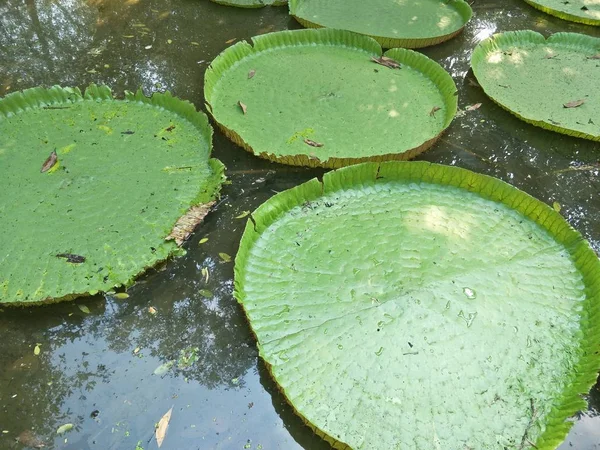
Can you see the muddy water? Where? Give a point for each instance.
(96, 370)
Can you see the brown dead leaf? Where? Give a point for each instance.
(473, 83)
(385, 61)
(574, 104)
(70, 257)
(243, 106)
(161, 429)
(251, 73)
(313, 143)
(597, 56)
(473, 107)
(50, 161)
(28, 439)
(171, 128)
(186, 223)
(152, 310)
(231, 41)
(434, 110)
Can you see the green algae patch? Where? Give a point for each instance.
(96, 190)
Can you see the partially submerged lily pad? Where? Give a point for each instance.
(413, 305)
(124, 172)
(550, 83)
(582, 11)
(392, 23)
(328, 98)
(251, 3)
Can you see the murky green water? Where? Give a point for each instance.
(96, 370)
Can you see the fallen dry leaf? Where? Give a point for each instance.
(152, 310)
(70, 257)
(251, 73)
(231, 41)
(171, 128)
(473, 107)
(473, 83)
(243, 106)
(574, 104)
(50, 161)
(161, 429)
(385, 61)
(597, 56)
(186, 223)
(313, 143)
(28, 439)
(434, 110)
(225, 257)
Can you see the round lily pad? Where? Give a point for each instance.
(328, 98)
(392, 23)
(546, 82)
(99, 189)
(408, 305)
(582, 11)
(251, 3)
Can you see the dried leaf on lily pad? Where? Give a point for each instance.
(243, 107)
(313, 143)
(186, 224)
(574, 104)
(517, 59)
(251, 74)
(594, 57)
(387, 62)
(163, 425)
(50, 161)
(328, 80)
(412, 276)
(434, 110)
(100, 247)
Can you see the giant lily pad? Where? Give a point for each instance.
(93, 188)
(251, 3)
(319, 98)
(392, 23)
(582, 11)
(546, 82)
(408, 305)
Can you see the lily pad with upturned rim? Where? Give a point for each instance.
(251, 3)
(582, 11)
(390, 22)
(317, 98)
(124, 172)
(411, 305)
(546, 82)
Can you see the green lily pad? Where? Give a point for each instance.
(546, 82)
(582, 11)
(317, 98)
(119, 175)
(251, 3)
(411, 305)
(392, 23)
